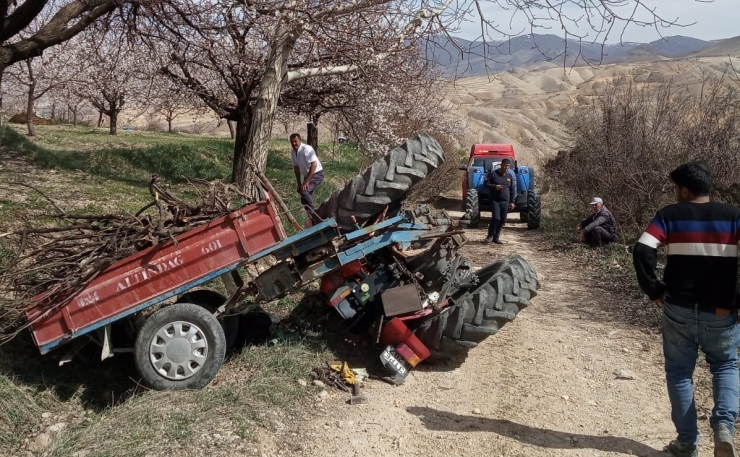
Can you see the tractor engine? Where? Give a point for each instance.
(354, 290)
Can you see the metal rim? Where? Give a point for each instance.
(178, 350)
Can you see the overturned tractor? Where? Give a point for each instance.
(396, 273)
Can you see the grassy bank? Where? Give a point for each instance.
(95, 408)
(610, 266)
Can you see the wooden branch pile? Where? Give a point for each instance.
(60, 254)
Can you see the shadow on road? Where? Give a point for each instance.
(549, 439)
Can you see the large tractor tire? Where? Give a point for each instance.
(532, 179)
(384, 184)
(472, 208)
(211, 300)
(504, 288)
(534, 210)
(180, 347)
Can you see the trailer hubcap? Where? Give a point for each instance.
(178, 350)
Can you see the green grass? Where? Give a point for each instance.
(106, 412)
(259, 380)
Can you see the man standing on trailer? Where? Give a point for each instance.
(308, 171)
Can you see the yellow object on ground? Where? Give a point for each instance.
(347, 375)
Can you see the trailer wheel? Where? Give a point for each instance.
(180, 347)
(504, 288)
(211, 300)
(385, 183)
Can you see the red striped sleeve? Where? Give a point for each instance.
(702, 237)
(656, 230)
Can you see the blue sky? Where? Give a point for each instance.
(712, 20)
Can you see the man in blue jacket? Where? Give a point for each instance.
(501, 186)
(698, 296)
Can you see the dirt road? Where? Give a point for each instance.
(543, 386)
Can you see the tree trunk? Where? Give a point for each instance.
(2, 70)
(29, 110)
(313, 133)
(100, 119)
(231, 129)
(170, 116)
(113, 115)
(240, 134)
(53, 110)
(29, 106)
(254, 149)
(74, 116)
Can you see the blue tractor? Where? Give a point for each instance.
(486, 157)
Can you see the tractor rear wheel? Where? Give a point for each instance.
(504, 288)
(472, 207)
(532, 179)
(534, 210)
(384, 184)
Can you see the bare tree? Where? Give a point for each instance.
(171, 101)
(632, 135)
(67, 19)
(40, 75)
(238, 57)
(316, 97)
(113, 73)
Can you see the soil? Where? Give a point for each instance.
(545, 385)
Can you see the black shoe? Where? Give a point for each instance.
(488, 240)
(723, 442)
(498, 241)
(677, 449)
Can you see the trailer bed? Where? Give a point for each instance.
(161, 272)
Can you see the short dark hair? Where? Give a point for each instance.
(695, 176)
(295, 135)
(506, 161)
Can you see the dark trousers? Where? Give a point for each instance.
(499, 211)
(597, 237)
(307, 194)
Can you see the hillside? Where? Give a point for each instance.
(730, 46)
(676, 46)
(463, 58)
(527, 107)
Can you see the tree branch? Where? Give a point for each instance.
(79, 13)
(20, 18)
(408, 29)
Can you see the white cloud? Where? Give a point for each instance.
(711, 21)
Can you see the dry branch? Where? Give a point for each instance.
(60, 254)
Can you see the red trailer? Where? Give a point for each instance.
(182, 345)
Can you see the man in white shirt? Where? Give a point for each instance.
(308, 171)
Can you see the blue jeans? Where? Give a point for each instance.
(685, 330)
(499, 211)
(307, 194)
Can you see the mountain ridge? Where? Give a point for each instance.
(463, 58)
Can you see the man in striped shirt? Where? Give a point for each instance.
(698, 297)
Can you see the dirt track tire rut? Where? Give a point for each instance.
(505, 287)
(386, 182)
